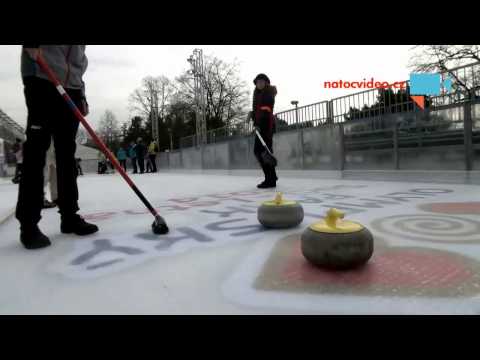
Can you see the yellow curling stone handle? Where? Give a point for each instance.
(279, 201)
(332, 223)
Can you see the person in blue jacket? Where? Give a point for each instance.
(122, 157)
(132, 154)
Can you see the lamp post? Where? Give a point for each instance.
(295, 102)
(198, 72)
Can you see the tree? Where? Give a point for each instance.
(109, 131)
(226, 95)
(181, 121)
(442, 58)
(124, 131)
(151, 100)
(136, 129)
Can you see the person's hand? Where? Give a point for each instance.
(84, 108)
(33, 52)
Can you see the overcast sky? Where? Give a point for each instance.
(298, 71)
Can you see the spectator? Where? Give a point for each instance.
(132, 154)
(152, 154)
(140, 151)
(122, 157)
(18, 151)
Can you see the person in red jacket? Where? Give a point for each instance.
(262, 114)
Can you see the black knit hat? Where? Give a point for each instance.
(261, 77)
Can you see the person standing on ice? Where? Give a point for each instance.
(132, 154)
(79, 166)
(152, 154)
(148, 163)
(262, 115)
(49, 115)
(140, 151)
(122, 157)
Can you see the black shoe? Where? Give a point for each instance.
(32, 238)
(15, 180)
(77, 225)
(267, 185)
(48, 205)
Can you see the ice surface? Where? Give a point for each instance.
(219, 260)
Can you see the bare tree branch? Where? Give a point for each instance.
(444, 58)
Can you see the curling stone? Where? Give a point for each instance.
(337, 244)
(280, 213)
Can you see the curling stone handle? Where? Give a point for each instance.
(332, 217)
(278, 198)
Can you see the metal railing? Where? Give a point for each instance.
(368, 109)
(304, 116)
(9, 129)
(238, 127)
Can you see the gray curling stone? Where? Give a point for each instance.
(337, 244)
(279, 213)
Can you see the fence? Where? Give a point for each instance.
(441, 138)
(365, 110)
(238, 127)
(375, 129)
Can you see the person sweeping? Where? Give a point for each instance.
(262, 115)
(49, 115)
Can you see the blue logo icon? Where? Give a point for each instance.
(428, 84)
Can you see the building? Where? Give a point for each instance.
(9, 131)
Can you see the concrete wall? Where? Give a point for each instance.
(375, 159)
(321, 149)
(216, 156)
(449, 157)
(175, 160)
(241, 154)
(192, 158)
(288, 150)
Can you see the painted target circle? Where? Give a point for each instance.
(430, 228)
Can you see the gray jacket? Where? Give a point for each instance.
(68, 62)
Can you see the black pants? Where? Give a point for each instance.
(48, 115)
(141, 165)
(258, 149)
(18, 171)
(152, 158)
(102, 167)
(79, 170)
(123, 163)
(134, 165)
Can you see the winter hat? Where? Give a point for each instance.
(261, 77)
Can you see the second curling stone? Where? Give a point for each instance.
(280, 213)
